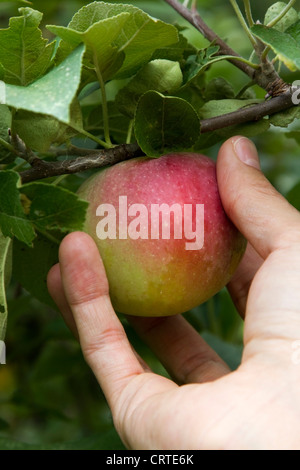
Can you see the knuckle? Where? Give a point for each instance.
(197, 368)
(91, 291)
(110, 338)
(205, 372)
(153, 324)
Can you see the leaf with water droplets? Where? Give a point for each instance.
(52, 94)
(119, 38)
(24, 54)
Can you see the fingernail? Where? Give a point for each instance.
(246, 151)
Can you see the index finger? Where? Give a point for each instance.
(103, 339)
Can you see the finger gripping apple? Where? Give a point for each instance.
(165, 240)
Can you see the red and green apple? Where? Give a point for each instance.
(166, 243)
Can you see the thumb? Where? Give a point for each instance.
(272, 226)
(264, 217)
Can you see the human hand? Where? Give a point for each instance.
(206, 406)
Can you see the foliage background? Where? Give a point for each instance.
(48, 396)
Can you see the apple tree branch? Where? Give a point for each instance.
(97, 159)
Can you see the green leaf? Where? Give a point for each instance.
(250, 129)
(294, 30)
(118, 36)
(285, 118)
(176, 52)
(5, 123)
(98, 39)
(32, 264)
(53, 94)
(159, 75)
(54, 208)
(5, 275)
(219, 89)
(13, 221)
(194, 92)
(285, 45)
(40, 131)
(294, 197)
(24, 54)
(197, 63)
(118, 123)
(293, 135)
(218, 107)
(290, 17)
(206, 141)
(164, 124)
(2, 74)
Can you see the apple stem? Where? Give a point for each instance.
(248, 13)
(129, 133)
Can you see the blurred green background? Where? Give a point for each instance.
(48, 396)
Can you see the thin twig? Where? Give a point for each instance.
(21, 149)
(193, 17)
(112, 156)
(264, 76)
(42, 169)
(70, 151)
(248, 114)
(8, 146)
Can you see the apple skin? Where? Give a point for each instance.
(160, 277)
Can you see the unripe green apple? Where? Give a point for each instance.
(165, 240)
